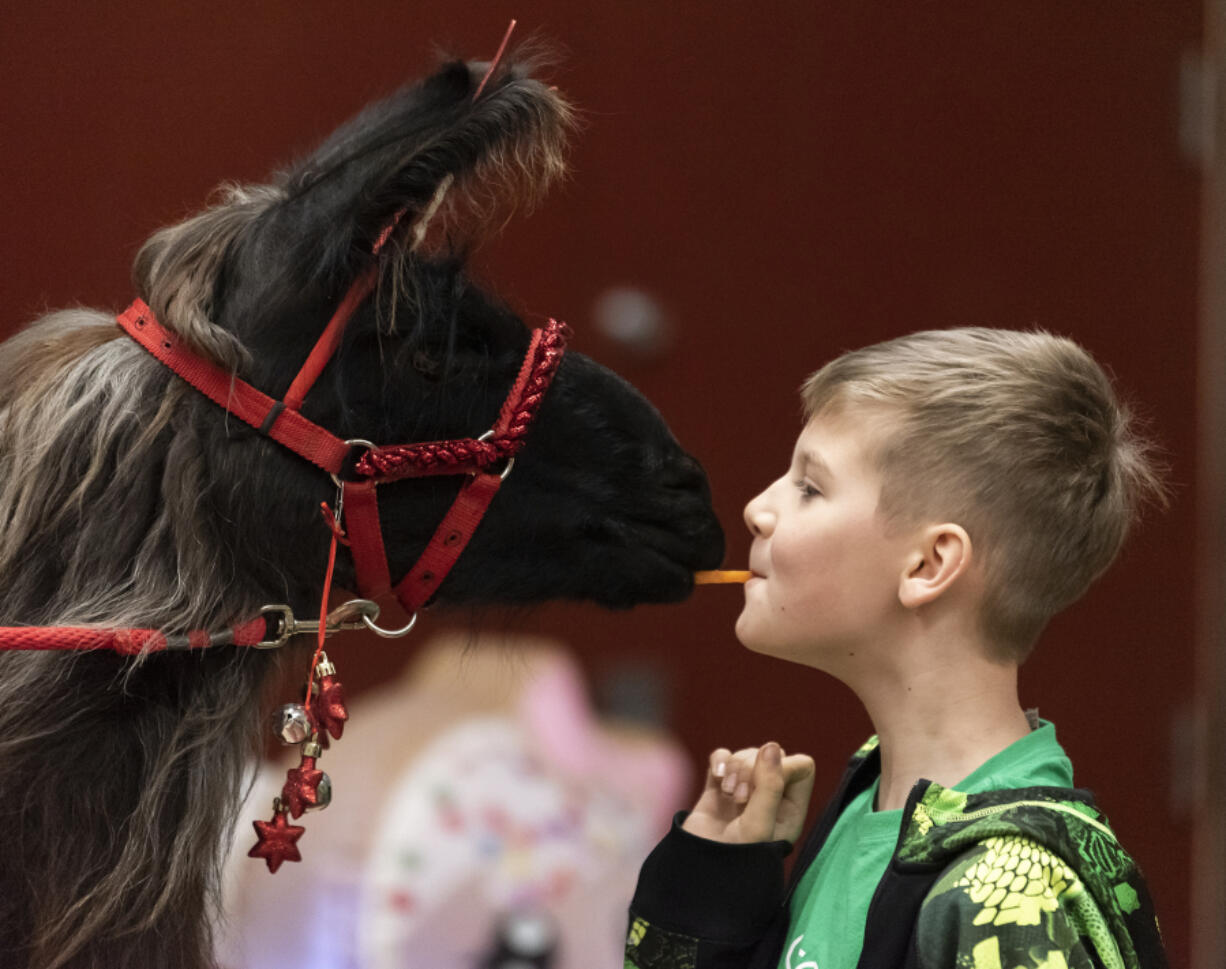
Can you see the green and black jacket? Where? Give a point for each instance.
(1029, 878)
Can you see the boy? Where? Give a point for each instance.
(950, 492)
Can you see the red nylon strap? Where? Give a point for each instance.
(289, 427)
(366, 539)
(330, 339)
(449, 540)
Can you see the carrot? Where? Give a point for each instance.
(721, 577)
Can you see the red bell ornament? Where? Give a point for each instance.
(328, 705)
(305, 786)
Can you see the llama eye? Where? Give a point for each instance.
(426, 365)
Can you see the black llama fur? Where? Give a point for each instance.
(128, 499)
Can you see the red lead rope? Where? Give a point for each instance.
(128, 642)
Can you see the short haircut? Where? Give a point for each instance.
(1016, 436)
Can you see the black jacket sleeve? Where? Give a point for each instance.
(702, 904)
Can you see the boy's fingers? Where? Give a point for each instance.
(732, 773)
(799, 775)
(738, 769)
(798, 768)
(762, 805)
(745, 774)
(722, 771)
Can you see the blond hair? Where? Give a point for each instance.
(1016, 436)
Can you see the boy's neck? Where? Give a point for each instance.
(940, 717)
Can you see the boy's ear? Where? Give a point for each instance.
(942, 555)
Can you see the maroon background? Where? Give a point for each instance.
(789, 185)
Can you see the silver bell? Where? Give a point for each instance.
(323, 794)
(291, 724)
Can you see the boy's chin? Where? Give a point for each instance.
(755, 641)
(758, 640)
(744, 632)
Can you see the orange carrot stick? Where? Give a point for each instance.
(721, 577)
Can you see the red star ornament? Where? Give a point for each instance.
(329, 707)
(301, 789)
(276, 841)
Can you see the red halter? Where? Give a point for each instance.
(282, 421)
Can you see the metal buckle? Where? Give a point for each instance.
(352, 442)
(354, 614)
(510, 461)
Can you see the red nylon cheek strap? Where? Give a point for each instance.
(366, 539)
(449, 540)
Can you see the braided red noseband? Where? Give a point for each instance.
(502, 444)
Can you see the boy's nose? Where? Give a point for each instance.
(758, 517)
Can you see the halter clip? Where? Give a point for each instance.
(354, 614)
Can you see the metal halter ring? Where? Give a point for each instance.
(390, 633)
(510, 461)
(352, 442)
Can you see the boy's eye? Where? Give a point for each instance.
(807, 490)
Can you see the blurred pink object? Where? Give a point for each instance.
(492, 788)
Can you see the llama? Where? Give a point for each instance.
(130, 500)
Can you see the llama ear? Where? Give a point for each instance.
(428, 154)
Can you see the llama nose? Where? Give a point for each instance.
(687, 476)
(684, 473)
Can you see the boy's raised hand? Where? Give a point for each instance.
(756, 794)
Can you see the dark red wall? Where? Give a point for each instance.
(789, 185)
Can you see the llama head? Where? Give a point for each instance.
(603, 504)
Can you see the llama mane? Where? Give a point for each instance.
(177, 268)
(95, 435)
(102, 468)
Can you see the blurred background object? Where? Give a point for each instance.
(483, 817)
(786, 181)
(635, 320)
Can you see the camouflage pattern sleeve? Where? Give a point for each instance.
(1009, 903)
(650, 947)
